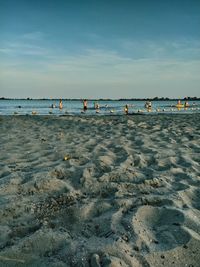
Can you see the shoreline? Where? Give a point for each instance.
(109, 115)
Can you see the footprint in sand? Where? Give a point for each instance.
(192, 197)
(159, 228)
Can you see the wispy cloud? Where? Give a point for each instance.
(90, 60)
(28, 44)
(107, 59)
(33, 36)
(23, 49)
(104, 64)
(105, 69)
(187, 48)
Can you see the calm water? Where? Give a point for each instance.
(73, 107)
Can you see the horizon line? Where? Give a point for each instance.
(108, 99)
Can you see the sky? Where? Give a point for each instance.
(99, 49)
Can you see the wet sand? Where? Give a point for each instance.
(100, 191)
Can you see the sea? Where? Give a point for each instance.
(106, 107)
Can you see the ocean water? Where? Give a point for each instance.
(75, 107)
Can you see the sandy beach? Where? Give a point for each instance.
(108, 191)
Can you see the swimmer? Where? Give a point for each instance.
(126, 109)
(53, 105)
(97, 107)
(60, 104)
(148, 105)
(186, 105)
(85, 105)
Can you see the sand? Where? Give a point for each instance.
(110, 191)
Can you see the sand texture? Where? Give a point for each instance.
(110, 191)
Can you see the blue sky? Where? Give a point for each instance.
(99, 49)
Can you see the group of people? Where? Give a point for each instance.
(180, 105)
(85, 106)
(147, 105)
(60, 105)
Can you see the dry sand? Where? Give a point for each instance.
(100, 191)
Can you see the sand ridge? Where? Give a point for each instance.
(100, 191)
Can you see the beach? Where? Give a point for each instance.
(109, 191)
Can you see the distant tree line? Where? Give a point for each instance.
(188, 98)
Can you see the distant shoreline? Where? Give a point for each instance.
(109, 99)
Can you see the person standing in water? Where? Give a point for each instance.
(126, 109)
(60, 104)
(84, 105)
(97, 107)
(186, 105)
